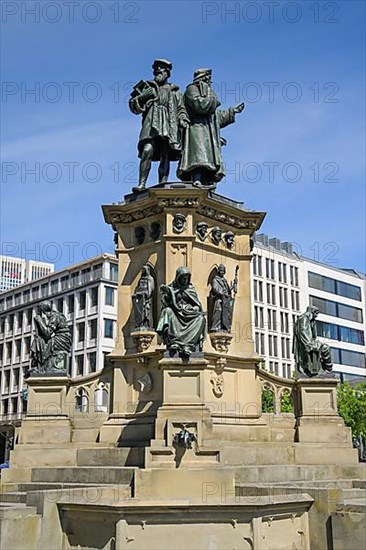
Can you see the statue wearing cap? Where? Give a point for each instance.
(163, 117)
(201, 161)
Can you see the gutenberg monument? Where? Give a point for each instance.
(170, 445)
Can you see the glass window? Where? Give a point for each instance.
(94, 296)
(81, 331)
(44, 290)
(336, 287)
(20, 320)
(349, 291)
(82, 300)
(71, 304)
(347, 357)
(35, 292)
(27, 345)
(29, 316)
(54, 286)
(351, 335)
(113, 272)
(11, 322)
(349, 312)
(60, 305)
(93, 328)
(327, 330)
(92, 357)
(337, 310)
(324, 306)
(108, 328)
(17, 349)
(109, 296)
(322, 283)
(79, 365)
(64, 282)
(259, 265)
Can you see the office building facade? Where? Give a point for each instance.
(86, 294)
(17, 271)
(283, 285)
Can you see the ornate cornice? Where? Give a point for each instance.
(160, 200)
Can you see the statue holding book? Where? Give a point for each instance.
(163, 117)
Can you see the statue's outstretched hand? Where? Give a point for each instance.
(239, 108)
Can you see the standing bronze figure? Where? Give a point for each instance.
(201, 161)
(312, 357)
(163, 117)
(52, 340)
(142, 300)
(222, 296)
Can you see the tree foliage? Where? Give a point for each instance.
(286, 402)
(352, 407)
(267, 400)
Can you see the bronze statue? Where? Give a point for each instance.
(52, 340)
(142, 300)
(312, 357)
(222, 297)
(182, 322)
(201, 161)
(163, 117)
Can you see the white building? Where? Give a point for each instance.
(87, 295)
(284, 284)
(17, 271)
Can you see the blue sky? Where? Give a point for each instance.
(296, 152)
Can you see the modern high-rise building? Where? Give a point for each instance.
(17, 271)
(283, 285)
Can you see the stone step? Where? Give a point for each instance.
(11, 510)
(361, 483)
(91, 475)
(283, 474)
(15, 497)
(85, 435)
(272, 454)
(322, 484)
(26, 457)
(20, 527)
(44, 486)
(121, 456)
(356, 492)
(354, 505)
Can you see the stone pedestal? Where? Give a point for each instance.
(217, 392)
(47, 418)
(317, 418)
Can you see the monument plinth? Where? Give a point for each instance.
(168, 227)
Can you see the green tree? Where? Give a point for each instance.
(286, 402)
(352, 407)
(267, 400)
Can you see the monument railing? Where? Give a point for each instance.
(90, 395)
(281, 390)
